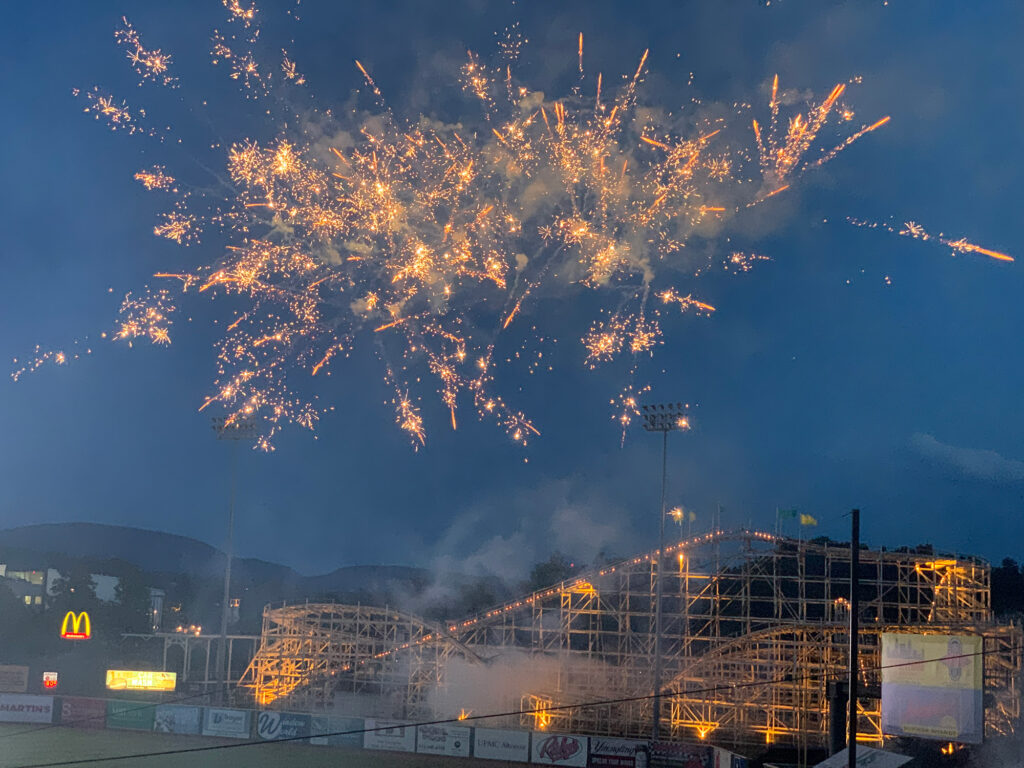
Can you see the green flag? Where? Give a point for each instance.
(784, 513)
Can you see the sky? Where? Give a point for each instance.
(853, 369)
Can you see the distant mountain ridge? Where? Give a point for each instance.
(157, 551)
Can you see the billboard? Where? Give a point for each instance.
(932, 687)
(130, 715)
(230, 723)
(274, 726)
(394, 735)
(492, 744)
(175, 718)
(20, 708)
(140, 680)
(13, 679)
(558, 749)
(78, 712)
(614, 753)
(336, 731)
(443, 740)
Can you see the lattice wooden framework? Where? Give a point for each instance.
(313, 654)
(754, 627)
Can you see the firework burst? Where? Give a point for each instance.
(434, 242)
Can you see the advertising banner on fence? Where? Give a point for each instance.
(614, 753)
(492, 744)
(932, 687)
(273, 726)
(230, 723)
(20, 708)
(130, 715)
(395, 736)
(443, 740)
(78, 712)
(13, 679)
(174, 718)
(667, 754)
(558, 749)
(339, 727)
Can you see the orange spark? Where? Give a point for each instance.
(878, 124)
(392, 324)
(655, 143)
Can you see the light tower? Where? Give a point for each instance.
(664, 418)
(235, 429)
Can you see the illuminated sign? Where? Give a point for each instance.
(140, 680)
(49, 679)
(76, 626)
(932, 687)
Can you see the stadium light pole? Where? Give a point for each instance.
(664, 418)
(234, 429)
(851, 741)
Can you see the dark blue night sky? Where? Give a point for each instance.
(817, 385)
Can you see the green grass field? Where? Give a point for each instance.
(29, 745)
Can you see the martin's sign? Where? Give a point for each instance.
(76, 626)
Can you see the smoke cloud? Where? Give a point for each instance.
(977, 463)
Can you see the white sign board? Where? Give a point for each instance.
(615, 753)
(392, 735)
(232, 723)
(558, 749)
(21, 708)
(275, 726)
(443, 740)
(492, 744)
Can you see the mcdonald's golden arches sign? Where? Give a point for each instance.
(76, 626)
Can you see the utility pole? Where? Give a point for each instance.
(664, 418)
(234, 429)
(851, 743)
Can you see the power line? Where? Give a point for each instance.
(513, 713)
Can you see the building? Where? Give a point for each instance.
(31, 586)
(37, 587)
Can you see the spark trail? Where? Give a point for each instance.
(914, 230)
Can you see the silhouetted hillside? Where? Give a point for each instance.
(153, 551)
(156, 552)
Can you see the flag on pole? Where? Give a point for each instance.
(693, 515)
(784, 513)
(808, 520)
